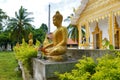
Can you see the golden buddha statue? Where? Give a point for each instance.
(56, 50)
(30, 39)
(46, 41)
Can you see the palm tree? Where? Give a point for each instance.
(3, 17)
(73, 32)
(72, 29)
(20, 26)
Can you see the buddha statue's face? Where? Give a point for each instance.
(57, 19)
(54, 21)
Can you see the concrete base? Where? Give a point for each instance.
(45, 70)
(94, 53)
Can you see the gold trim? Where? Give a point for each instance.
(100, 12)
(110, 22)
(99, 32)
(96, 10)
(116, 29)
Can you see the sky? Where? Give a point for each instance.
(40, 9)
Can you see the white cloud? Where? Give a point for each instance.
(40, 8)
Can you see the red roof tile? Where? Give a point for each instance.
(70, 41)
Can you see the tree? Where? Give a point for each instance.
(40, 33)
(5, 39)
(73, 32)
(72, 29)
(44, 27)
(20, 26)
(3, 17)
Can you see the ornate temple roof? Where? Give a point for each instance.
(79, 11)
(94, 10)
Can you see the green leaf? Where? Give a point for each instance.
(111, 47)
(107, 43)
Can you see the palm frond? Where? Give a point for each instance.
(20, 25)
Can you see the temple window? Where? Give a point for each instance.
(83, 35)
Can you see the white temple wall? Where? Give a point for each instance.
(103, 26)
(92, 28)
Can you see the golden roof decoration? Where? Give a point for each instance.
(95, 10)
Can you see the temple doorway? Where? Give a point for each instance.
(116, 34)
(97, 41)
(97, 37)
(117, 39)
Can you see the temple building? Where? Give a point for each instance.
(99, 19)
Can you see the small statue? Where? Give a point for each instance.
(105, 43)
(30, 39)
(83, 39)
(56, 50)
(17, 44)
(46, 41)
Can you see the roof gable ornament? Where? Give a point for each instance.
(79, 11)
(97, 28)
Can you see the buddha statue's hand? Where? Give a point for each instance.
(43, 50)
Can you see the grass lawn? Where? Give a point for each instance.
(8, 64)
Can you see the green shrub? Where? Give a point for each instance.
(24, 53)
(117, 53)
(106, 68)
(83, 70)
(106, 44)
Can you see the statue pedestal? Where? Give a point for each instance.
(45, 70)
(25, 74)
